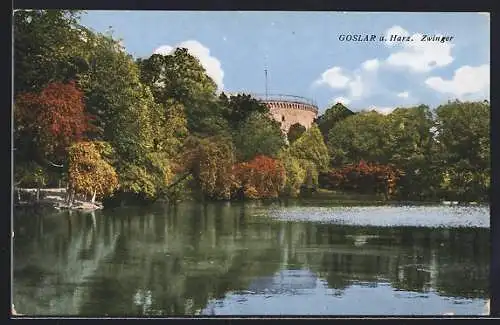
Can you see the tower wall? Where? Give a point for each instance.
(290, 112)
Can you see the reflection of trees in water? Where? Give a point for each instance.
(455, 262)
(174, 260)
(49, 268)
(196, 258)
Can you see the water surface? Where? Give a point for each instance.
(235, 259)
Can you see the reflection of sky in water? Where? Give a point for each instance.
(387, 216)
(300, 292)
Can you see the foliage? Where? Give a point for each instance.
(331, 117)
(238, 109)
(46, 48)
(161, 125)
(311, 147)
(180, 77)
(310, 181)
(262, 177)
(259, 135)
(170, 129)
(89, 172)
(412, 149)
(52, 119)
(463, 142)
(210, 160)
(296, 130)
(364, 177)
(30, 175)
(295, 173)
(362, 136)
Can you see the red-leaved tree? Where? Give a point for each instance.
(53, 118)
(364, 177)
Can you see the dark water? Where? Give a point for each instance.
(233, 259)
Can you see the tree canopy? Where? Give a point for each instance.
(90, 116)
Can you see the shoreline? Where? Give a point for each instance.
(54, 198)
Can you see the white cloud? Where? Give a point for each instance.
(394, 30)
(342, 100)
(418, 55)
(466, 81)
(334, 78)
(371, 65)
(381, 110)
(404, 94)
(224, 38)
(164, 50)
(211, 64)
(356, 87)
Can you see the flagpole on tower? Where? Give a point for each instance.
(265, 74)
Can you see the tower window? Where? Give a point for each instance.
(283, 118)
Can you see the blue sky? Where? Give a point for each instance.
(305, 57)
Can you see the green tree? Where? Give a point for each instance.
(412, 149)
(180, 77)
(238, 109)
(295, 173)
(464, 148)
(330, 117)
(295, 131)
(362, 136)
(311, 147)
(259, 135)
(46, 48)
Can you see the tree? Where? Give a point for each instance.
(365, 178)
(295, 172)
(210, 161)
(362, 136)
(46, 48)
(331, 117)
(170, 129)
(238, 109)
(411, 147)
(145, 134)
(89, 172)
(46, 123)
(464, 148)
(262, 177)
(259, 135)
(311, 147)
(180, 77)
(295, 131)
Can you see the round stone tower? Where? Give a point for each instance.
(288, 110)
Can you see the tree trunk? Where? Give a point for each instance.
(38, 194)
(72, 197)
(93, 196)
(18, 195)
(68, 193)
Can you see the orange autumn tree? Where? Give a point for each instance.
(262, 177)
(52, 119)
(89, 172)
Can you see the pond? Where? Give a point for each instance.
(253, 259)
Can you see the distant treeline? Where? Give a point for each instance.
(91, 118)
